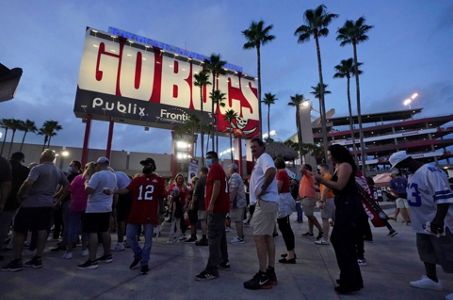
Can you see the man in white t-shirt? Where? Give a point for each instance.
(263, 193)
(96, 221)
(431, 202)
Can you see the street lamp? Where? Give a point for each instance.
(64, 153)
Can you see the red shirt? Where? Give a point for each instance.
(222, 204)
(145, 193)
(283, 177)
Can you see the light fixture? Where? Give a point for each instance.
(65, 153)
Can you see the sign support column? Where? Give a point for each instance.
(108, 150)
(86, 139)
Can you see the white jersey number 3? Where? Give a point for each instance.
(145, 192)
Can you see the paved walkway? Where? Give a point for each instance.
(392, 263)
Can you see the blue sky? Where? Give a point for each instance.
(409, 50)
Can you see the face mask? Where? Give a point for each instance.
(71, 169)
(209, 162)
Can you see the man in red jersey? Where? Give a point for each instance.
(147, 193)
(217, 203)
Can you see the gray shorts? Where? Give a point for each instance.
(264, 218)
(202, 215)
(237, 214)
(328, 212)
(401, 203)
(308, 205)
(436, 250)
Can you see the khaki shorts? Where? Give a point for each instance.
(237, 214)
(436, 250)
(202, 215)
(264, 218)
(328, 212)
(401, 203)
(308, 205)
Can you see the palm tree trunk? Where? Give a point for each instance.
(4, 140)
(351, 121)
(258, 57)
(11, 143)
(299, 133)
(269, 122)
(23, 141)
(48, 141)
(213, 115)
(359, 111)
(201, 129)
(321, 99)
(45, 142)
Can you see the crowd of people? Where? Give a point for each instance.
(84, 204)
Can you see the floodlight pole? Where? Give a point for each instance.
(86, 139)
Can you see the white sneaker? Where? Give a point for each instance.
(449, 297)
(237, 240)
(119, 247)
(321, 242)
(67, 255)
(426, 283)
(84, 252)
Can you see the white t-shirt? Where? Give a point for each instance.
(122, 180)
(98, 201)
(263, 163)
(427, 188)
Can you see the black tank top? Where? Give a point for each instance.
(349, 189)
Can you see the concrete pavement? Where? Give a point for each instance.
(392, 263)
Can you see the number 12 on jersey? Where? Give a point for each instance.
(145, 192)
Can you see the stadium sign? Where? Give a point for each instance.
(132, 80)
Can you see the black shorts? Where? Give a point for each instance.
(33, 218)
(123, 207)
(96, 222)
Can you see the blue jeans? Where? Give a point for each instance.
(132, 231)
(299, 212)
(73, 226)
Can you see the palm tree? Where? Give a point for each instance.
(217, 98)
(355, 33)
(190, 128)
(230, 115)
(27, 126)
(269, 99)
(49, 129)
(257, 35)
(202, 80)
(5, 124)
(316, 91)
(316, 22)
(214, 65)
(296, 101)
(344, 70)
(14, 125)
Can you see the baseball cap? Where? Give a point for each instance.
(103, 160)
(147, 161)
(397, 157)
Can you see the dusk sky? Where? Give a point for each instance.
(410, 49)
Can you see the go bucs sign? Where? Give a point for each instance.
(130, 79)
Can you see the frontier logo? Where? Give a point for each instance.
(179, 117)
(118, 106)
